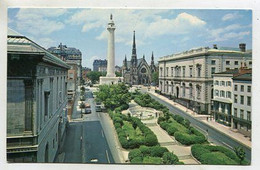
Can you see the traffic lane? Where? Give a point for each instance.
(96, 146)
(72, 147)
(214, 135)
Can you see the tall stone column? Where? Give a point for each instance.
(111, 48)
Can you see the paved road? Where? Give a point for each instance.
(86, 141)
(214, 135)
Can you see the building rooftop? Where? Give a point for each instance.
(63, 49)
(246, 77)
(230, 71)
(19, 43)
(207, 51)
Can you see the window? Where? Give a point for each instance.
(250, 63)
(227, 62)
(190, 71)
(222, 93)
(242, 88)
(213, 70)
(46, 103)
(235, 87)
(235, 112)
(228, 94)
(241, 99)
(183, 71)
(248, 115)
(248, 101)
(227, 68)
(228, 83)
(161, 71)
(222, 83)
(70, 75)
(172, 71)
(167, 69)
(199, 71)
(216, 82)
(235, 98)
(242, 114)
(213, 62)
(183, 90)
(236, 63)
(249, 89)
(216, 93)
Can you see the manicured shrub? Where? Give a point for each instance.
(178, 118)
(150, 140)
(117, 125)
(217, 158)
(160, 119)
(146, 151)
(189, 139)
(186, 123)
(137, 160)
(123, 142)
(164, 125)
(134, 153)
(214, 155)
(118, 120)
(152, 160)
(169, 158)
(158, 151)
(171, 130)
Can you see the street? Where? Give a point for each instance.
(86, 141)
(214, 136)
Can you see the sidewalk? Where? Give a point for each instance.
(221, 128)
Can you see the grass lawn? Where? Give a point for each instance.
(152, 160)
(217, 158)
(179, 126)
(131, 132)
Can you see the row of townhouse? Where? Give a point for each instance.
(188, 76)
(232, 99)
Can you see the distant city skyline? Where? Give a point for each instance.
(162, 31)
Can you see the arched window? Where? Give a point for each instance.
(143, 70)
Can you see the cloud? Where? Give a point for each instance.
(227, 33)
(39, 21)
(148, 24)
(230, 16)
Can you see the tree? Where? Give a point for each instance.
(118, 74)
(95, 75)
(155, 77)
(240, 153)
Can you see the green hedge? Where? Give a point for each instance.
(152, 155)
(215, 155)
(148, 137)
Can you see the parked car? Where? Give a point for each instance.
(87, 110)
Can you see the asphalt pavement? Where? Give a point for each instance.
(85, 140)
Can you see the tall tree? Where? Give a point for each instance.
(155, 77)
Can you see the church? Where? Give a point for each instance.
(137, 71)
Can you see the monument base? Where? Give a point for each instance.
(110, 80)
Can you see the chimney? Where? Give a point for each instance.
(215, 46)
(242, 47)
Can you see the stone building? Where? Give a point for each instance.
(187, 76)
(241, 108)
(223, 99)
(36, 101)
(99, 63)
(69, 54)
(137, 71)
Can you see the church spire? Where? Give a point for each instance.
(134, 46)
(152, 59)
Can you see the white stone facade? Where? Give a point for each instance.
(187, 76)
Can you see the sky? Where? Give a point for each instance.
(161, 31)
